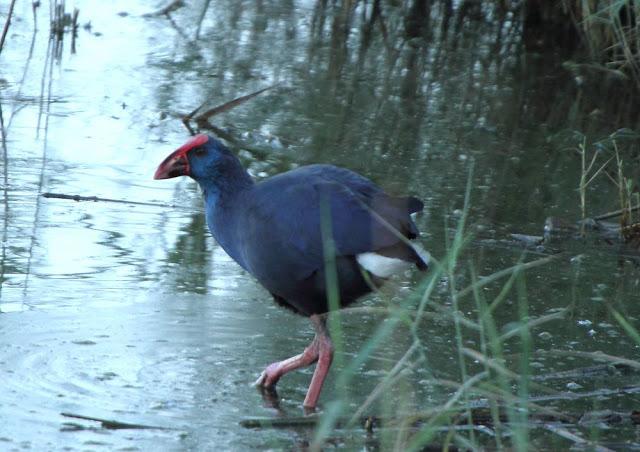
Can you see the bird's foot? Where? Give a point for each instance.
(270, 376)
(270, 397)
(309, 410)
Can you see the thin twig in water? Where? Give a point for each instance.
(616, 213)
(596, 394)
(46, 75)
(17, 108)
(598, 371)
(201, 18)
(74, 29)
(579, 440)
(597, 356)
(6, 24)
(455, 414)
(113, 424)
(164, 11)
(34, 7)
(202, 120)
(5, 177)
(97, 199)
(180, 31)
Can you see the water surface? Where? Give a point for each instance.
(133, 313)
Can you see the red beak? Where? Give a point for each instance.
(177, 164)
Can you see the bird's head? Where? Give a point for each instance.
(198, 158)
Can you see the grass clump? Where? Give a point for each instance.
(484, 374)
(611, 32)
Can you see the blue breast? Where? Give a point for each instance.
(274, 230)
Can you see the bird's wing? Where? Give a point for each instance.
(282, 226)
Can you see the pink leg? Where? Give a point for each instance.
(320, 350)
(325, 356)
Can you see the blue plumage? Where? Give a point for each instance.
(273, 228)
(276, 230)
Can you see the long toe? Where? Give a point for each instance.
(274, 371)
(270, 376)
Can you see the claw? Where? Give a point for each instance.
(260, 381)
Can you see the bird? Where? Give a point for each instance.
(278, 229)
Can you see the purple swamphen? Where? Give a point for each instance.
(275, 229)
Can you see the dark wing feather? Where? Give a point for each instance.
(281, 241)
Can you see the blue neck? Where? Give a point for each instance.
(223, 205)
(224, 183)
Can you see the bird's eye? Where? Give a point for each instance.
(199, 151)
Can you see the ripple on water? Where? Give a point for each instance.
(175, 360)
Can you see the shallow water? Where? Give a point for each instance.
(133, 313)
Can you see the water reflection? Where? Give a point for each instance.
(406, 94)
(189, 260)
